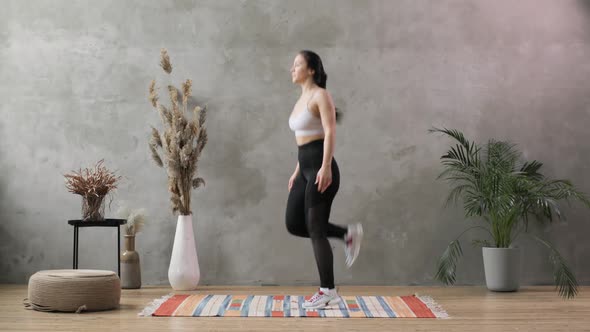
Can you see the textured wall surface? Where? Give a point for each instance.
(73, 90)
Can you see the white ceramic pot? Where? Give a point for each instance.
(184, 273)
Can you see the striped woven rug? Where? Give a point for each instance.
(211, 305)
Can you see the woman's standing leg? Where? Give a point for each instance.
(317, 207)
(317, 211)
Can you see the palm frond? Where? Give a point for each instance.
(564, 189)
(562, 274)
(447, 263)
(531, 169)
(540, 197)
(501, 156)
(457, 135)
(456, 193)
(467, 153)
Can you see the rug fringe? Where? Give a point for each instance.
(436, 308)
(154, 305)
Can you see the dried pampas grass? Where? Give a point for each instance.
(165, 61)
(135, 219)
(178, 146)
(93, 184)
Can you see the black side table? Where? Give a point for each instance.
(104, 223)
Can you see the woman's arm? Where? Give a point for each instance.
(328, 116)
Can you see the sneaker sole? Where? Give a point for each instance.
(357, 244)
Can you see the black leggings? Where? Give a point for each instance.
(308, 210)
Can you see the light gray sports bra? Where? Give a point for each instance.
(305, 123)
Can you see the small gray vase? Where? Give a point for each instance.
(130, 268)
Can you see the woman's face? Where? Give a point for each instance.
(299, 71)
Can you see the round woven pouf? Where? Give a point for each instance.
(74, 290)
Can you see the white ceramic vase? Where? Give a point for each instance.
(184, 273)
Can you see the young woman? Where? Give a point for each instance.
(316, 179)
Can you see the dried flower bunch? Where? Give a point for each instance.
(181, 141)
(135, 219)
(93, 184)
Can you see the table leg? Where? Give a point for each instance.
(74, 250)
(119, 251)
(76, 245)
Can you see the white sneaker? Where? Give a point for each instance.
(352, 245)
(322, 299)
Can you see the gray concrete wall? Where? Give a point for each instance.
(73, 90)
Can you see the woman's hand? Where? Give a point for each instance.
(324, 178)
(292, 180)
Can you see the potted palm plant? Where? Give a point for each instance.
(505, 193)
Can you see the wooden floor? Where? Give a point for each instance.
(470, 308)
